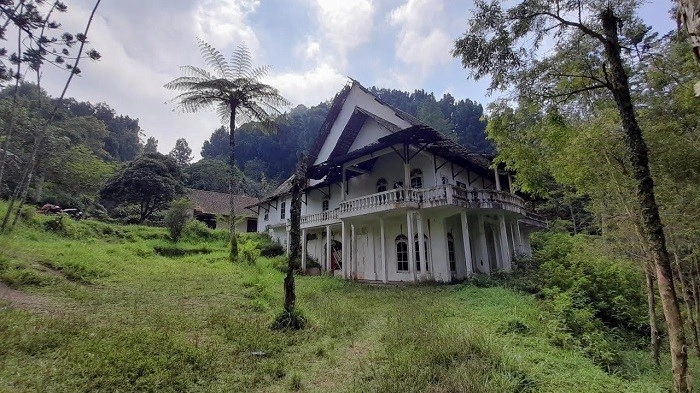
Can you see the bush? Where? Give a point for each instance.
(27, 213)
(272, 249)
(195, 230)
(60, 224)
(248, 251)
(290, 320)
(177, 217)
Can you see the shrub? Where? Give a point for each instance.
(177, 217)
(60, 224)
(195, 230)
(290, 320)
(27, 213)
(248, 252)
(271, 249)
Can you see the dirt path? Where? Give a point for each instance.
(24, 301)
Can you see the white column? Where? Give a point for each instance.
(511, 232)
(498, 180)
(383, 251)
(510, 184)
(519, 236)
(467, 246)
(353, 253)
(483, 254)
(303, 250)
(288, 242)
(505, 251)
(411, 247)
(343, 185)
(329, 264)
(421, 246)
(345, 248)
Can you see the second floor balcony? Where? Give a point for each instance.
(443, 195)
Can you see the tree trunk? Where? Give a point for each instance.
(637, 153)
(689, 304)
(233, 254)
(294, 234)
(651, 302)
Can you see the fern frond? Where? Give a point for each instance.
(241, 61)
(214, 59)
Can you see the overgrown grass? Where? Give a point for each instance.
(125, 318)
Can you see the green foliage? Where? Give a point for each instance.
(177, 217)
(151, 182)
(181, 153)
(196, 230)
(248, 252)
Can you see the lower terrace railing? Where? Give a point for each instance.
(319, 218)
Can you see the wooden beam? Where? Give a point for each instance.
(358, 170)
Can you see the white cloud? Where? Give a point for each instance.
(421, 42)
(345, 25)
(223, 22)
(308, 87)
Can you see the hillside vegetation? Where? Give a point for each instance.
(87, 306)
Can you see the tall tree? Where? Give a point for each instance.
(496, 44)
(234, 89)
(217, 147)
(181, 153)
(689, 16)
(151, 145)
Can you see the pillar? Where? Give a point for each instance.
(303, 250)
(506, 253)
(329, 264)
(498, 179)
(467, 246)
(483, 253)
(421, 245)
(519, 237)
(411, 247)
(344, 251)
(383, 251)
(353, 253)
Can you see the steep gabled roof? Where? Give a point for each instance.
(211, 202)
(333, 113)
(421, 136)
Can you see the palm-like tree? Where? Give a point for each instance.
(233, 89)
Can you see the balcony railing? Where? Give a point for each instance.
(320, 218)
(443, 195)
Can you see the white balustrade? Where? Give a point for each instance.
(441, 195)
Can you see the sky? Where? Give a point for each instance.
(312, 47)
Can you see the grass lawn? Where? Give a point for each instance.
(98, 309)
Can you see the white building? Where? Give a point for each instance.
(379, 181)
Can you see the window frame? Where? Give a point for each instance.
(451, 254)
(283, 210)
(401, 254)
(416, 251)
(416, 178)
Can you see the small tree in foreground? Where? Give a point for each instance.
(291, 318)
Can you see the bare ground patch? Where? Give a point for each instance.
(18, 299)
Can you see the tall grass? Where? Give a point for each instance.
(118, 315)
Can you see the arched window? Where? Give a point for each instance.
(381, 185)
(416, 178)
(451, 252)
(324, 205)
(402, 253)
(417, 251)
